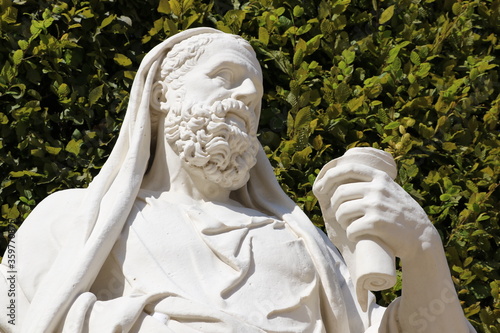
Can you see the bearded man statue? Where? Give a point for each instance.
(186, 229)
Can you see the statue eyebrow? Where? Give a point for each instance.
(225, 63)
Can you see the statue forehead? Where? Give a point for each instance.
(224, 50)
(189, 51)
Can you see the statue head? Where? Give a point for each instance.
(211, 88)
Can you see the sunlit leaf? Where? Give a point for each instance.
(386, 14)
(95, 94)
(74, 146)
(107, 21)
(17, 57)
(122, 60)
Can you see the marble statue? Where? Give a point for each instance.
(185, 229)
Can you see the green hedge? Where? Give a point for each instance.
(416, 78)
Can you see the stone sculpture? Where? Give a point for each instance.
(197, 236)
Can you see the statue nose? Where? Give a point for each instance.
(246, 92)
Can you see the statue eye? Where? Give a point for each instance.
(224, 75)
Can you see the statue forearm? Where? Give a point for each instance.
(429, 302)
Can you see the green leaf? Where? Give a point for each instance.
(172, 26)
(415, 58)
(392, 125)
(189, 21)
(318, 142)
(3, 119)
(18, 56)
(107, 21)
(474, 73)
(176, 7)
(281, 60)
(300, 48)
(53, 150)
(164, 7)
(263, 35)
(373, 91)
(483, 217)
(342, 93)
(234, 19)
(304, 29)
(413, 89)
(10, 213)
(187, 4)
(457, 8)
(10, 15)
(74, 146)
(86, 12)
(302, 157)
(348, 56)
(386, 14)
(393, 53)
(17, 174)
(355, 103)
(298, 11)
(95, 94)
(313, 44)
(411, 78)
(441, 122)
(303, 118)
(423, 69)
(449, 146)
(445, 197)
(23, 44)
(47, 22)
(340, 22)
(63, 90)
(122, 60)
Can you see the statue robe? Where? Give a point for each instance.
(217, 269)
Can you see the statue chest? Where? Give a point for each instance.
(234, 259)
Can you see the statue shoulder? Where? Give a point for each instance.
(43, 234)
(52, 213)
(51, 219)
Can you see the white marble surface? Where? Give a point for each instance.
(371, 262)
(198, 235)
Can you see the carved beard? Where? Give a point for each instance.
(213, 141)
